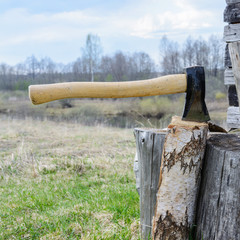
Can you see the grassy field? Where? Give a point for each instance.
(66, 181)
(66, 173)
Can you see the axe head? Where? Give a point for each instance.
(195, 107)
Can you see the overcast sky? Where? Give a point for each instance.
(58, 28)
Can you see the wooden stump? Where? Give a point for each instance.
(179, 181)
(218, 215)
(218, 208)
(147, 167)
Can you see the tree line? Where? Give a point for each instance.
(93, 65)
(209, 54)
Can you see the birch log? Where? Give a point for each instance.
(218, 212)
(180, 175)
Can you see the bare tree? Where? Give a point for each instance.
(80, 69)
(92, 53)
(188, 52)
(106, 68)
(120, 67)
(77, 68)
(3, 75)
(201, 53)
(170, 60)
(32, 66)
(215, 45)
(142, 66)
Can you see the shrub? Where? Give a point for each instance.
(162, 104)
(22, 85)
(220, 95)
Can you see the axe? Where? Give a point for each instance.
(192, 82)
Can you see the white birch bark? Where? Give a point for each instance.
(179, 181)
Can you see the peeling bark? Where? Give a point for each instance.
(179, 180)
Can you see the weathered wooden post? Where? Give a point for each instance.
(218, 211)
(147, 165)
(231, 76)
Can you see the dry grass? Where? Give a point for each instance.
(66, 181)
(35, 143)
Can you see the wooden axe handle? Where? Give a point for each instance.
(157, 86)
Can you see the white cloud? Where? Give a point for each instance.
(137, 24)
(19, 26)
(184, 18)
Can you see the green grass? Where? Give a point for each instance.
(65, 181)
(76, 207)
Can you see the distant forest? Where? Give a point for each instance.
(93, 65)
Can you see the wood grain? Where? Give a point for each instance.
(228, 77)
(232, 13)
(232, 33)
(234, 50)
(232, 1)
(218, 209)
(233, 117)
(149, 153)
(157, 86)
